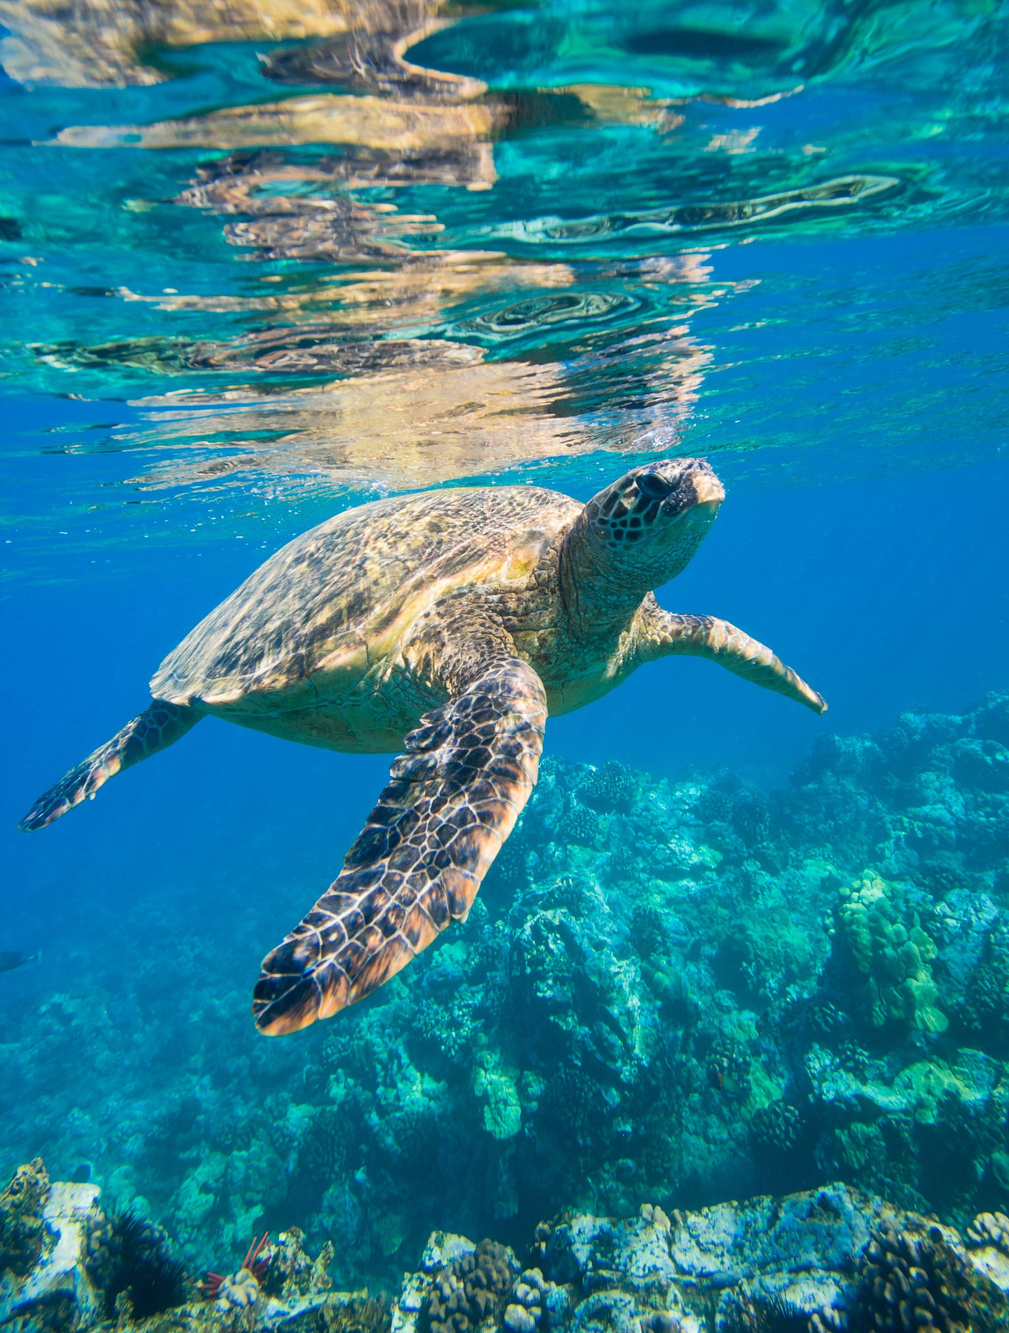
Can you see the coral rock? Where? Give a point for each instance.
(518, 1319)
(51, 1220)
(23, 1231)
(915, 1278)
(889, 945)
(473, 1289)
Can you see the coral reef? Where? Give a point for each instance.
(118, 1271)
(680, 991)
(827, 1259)
(23, 1231)
(831, 1259)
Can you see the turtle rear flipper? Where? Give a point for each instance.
(452, 800)
(155, 729)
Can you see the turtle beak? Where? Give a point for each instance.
(708, 495)
(709, 491)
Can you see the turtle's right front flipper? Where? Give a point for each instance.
(452, 800)
(718, 641)
(157, 727)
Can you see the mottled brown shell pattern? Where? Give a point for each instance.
(345, 591)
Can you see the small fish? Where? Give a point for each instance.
(12, 959)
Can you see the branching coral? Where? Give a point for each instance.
(776, 1128)
(891, 949)
(728, 1068)
(582, 826)
(983, 1010)
(612, 787)
(449, 1022)
(322, 1147)
(990, 1229)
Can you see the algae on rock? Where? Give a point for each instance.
(73, 1284)
(805, 1261)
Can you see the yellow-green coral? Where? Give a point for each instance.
(502, 1116)
(922, 1086)
(891, 948)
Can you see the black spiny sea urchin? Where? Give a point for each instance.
(128, 1254)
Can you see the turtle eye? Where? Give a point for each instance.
(652, 486)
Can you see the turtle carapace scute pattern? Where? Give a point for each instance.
(447, 625)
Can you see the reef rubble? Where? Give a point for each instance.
(827, 1259)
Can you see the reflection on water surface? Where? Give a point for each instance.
(388, 244)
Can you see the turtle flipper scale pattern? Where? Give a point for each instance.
(157, 727)
(718, 641)
(451, 801)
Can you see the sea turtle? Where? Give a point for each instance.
(449, 624)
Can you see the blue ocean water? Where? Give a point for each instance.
(249, 283)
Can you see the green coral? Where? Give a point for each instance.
(890, 947)
(855, 1152)
(502, 1115)
(917, 1090)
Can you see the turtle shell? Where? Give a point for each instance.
(339, 598)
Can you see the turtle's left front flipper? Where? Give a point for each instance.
(717, 640)
(158, 726)
(452, 800)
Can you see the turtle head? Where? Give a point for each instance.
(644, 529)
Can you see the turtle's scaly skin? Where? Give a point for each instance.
(417, 864)
(155, 729)
(452, 622)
